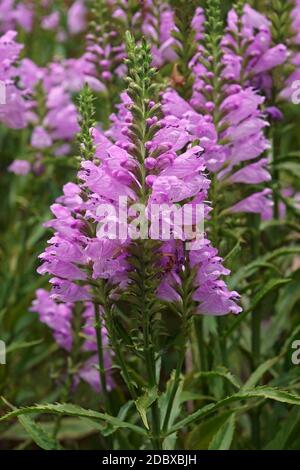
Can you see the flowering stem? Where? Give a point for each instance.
(186, 308)
(150, 364)
(185, 47)
(119, 356)
(180, 362)
(148, 347)
(221, 322)
(142, 89)
(113, 336)
(198, 320)
(255, 336)
(98, 328)
(276, 185)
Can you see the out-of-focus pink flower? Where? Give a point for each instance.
(19, 167)
(77, 17)
(51, 21)
(57, 316)
(40, 138)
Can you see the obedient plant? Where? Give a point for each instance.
(147, 168)
(165, 308)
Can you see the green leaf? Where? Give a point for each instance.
(235, 250)
(244, 394)
(260, 371)
(271, 285)
(286, 429)
(22, 345)
(178, 400)
(69, 429)
(144, 402)
(290, 167)
(223, 439)
(74, 410)
(190, 396)
(287, 302)
(170, 441)
(107, 430)
(38, 434)
(200, 436)
(220, 372)
(290, 295)
(252, 267)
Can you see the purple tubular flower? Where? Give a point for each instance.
(274, 113)
(212, 294)
(257, 203)
(254, 173)
(271, 58)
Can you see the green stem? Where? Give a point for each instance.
(156, 438)
(102, 376)
(116, 347)
(180, 362)
(198, 323)
(275, 171)
(186, 309)
(221, 322)
(255, 336)
(148, 350)
(151, 371)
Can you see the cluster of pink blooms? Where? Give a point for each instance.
(75, 255)
(54, 129)
(176, 176)
(244, 121)
(258, 56)
(13, 106)
(157, 24)
(59, 317)
(15, 14)
(231, 149)
(58, 83)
